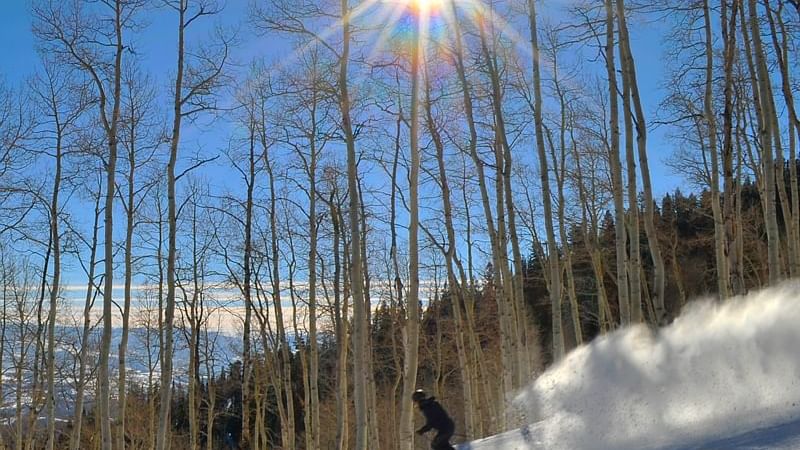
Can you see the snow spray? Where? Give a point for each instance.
(722, 367)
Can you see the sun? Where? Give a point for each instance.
(404, 24)
(426, 6)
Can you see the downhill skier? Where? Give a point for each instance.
(436, 418)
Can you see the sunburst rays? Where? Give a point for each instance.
(385, 26)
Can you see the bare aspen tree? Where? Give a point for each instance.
(629, 72)
(316, 143)
(91, 294)
(717, 160)
(246, 287)
(512, 308)
(283, 361)
(761, 83)
(297, 20)
(791, 203)
(308, 119)
(634, 253)
(194, 308)
(397, 291)
(283, 17)
(527, 337)
(560, 171)
(514, 341)
(457, 290)
(112, 129)
(723, 273)
(544, 173)
(4, 278)
(99, 54)
(19, 278)
(296, 328)
(196, 81)
(38, 373)
(300, 332)
(159, 259)
(209, 346)
(244, 280)
(411, 334)
(62, 102)
(138, 139)
(590, 195)
(19, 200)
(372, 420)
(731, 202)
(616, 170)
(340, 308)
(472, 150)
(509, 335)
(360, 349)
(17, 124)
(4, 329)
(312, 270)
(632, 223)
(492, 407)
(270, 372)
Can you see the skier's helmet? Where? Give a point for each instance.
(419, 395)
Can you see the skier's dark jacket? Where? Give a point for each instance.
(435, 416)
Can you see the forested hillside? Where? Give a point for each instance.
(685, 222)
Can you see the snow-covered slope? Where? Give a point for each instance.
(783, 436)
(721, 376)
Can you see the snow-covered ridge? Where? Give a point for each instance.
(720, 370)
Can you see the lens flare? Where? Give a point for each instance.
(426, 7)
(408, 23)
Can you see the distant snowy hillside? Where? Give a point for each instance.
(721, 376)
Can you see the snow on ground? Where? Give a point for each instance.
(721, 376)
(783, 436)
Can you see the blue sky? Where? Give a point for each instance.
(156, 47)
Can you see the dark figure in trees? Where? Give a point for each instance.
(436, 418)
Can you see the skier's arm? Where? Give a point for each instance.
(428, 423)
